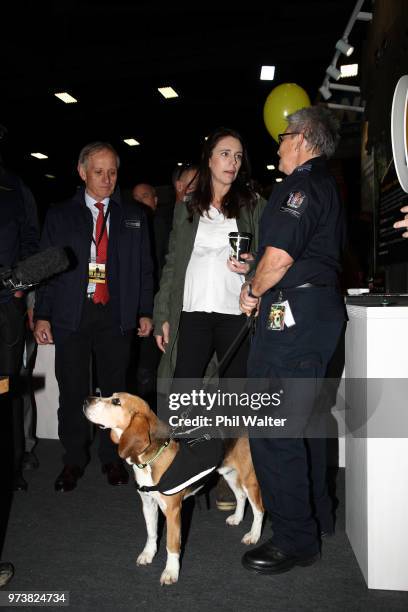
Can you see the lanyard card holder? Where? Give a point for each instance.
(276, 317)
(96, 272)
(280, 314)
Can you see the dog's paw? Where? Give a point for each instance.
(145, 557)
(169, 576)
(233, 520)
(250, 538)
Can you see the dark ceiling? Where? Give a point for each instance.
(112, 56)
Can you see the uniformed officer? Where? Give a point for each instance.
(301, 317)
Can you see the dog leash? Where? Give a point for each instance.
(248, 327)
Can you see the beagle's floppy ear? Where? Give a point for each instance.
(135, 438)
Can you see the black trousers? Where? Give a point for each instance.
(12, 334)
(292, 472)
(202, 333)
(100, 336)
(142, 373)
(6, 461)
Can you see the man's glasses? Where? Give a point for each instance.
(280, 136)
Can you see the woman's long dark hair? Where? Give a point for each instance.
(240, 193)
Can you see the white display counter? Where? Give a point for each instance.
(377, 467)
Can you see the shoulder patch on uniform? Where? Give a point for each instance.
(295, 204)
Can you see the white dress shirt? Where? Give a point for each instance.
(209, 285)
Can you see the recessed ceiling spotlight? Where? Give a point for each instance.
(179, 163)
(66, 97)
(267, 73)
(131, 142)
(348, 70)
(270, 167)
(39, 155)
(50, 176)
(168, 92)
(278, 180)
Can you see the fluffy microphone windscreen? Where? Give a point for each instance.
(41, 266)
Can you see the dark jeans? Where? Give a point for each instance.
(100, 336)
(202, 333)
(12, 321)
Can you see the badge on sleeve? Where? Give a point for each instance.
(295, 204)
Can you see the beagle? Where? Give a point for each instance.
(144, 443)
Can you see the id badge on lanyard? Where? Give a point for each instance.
(280, 314)
(97, 270)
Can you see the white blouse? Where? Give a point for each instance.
(209, 285)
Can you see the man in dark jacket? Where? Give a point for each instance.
(94, 306)
(19, 238)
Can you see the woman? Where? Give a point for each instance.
(197, 307)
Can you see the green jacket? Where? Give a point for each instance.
(168, 302)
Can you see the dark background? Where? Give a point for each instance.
(112, 56)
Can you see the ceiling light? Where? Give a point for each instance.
(168, 92)
(270, 167)
(267, 73)
(66, 97)
(50, 176)
(179, 163)
(325, 91)
(333, 72)
(344, 47)
(131, 142)
(39, 155)
(349, 70)
(278, 180)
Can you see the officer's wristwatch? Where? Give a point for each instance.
(250, 292)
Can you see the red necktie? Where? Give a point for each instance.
(101, 295)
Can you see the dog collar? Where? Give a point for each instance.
(159, 452)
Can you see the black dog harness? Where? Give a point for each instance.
(195, 461)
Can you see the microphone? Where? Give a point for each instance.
(34, 269)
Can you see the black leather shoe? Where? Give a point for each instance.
(116, 473)
(68, 478)
(19, 482)
(6, 573)
(268, 559)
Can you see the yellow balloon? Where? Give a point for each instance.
(281, 102)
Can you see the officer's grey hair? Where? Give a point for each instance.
(95, 147)
(319, 127)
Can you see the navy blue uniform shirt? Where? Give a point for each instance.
(305, 218)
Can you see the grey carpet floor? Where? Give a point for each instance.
(86, 542)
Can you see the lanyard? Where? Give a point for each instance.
(105, 220)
